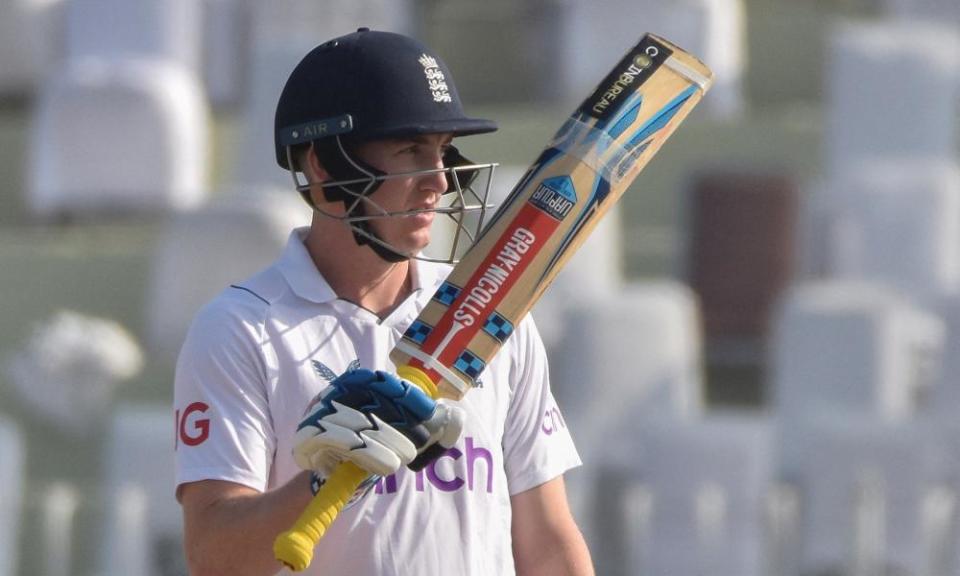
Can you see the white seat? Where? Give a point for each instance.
(896, 223)
(712, 30)
(283, 31)
(200, 253)
(688, 498)
(114, 30)
(851, 349)
(126, 136)
(643, 344)
(865, 488)
(12, 483)
(892, 89)
(143, 521)
(30, 43)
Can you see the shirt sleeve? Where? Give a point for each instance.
(537, 444)
(224, 430)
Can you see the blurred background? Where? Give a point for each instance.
(757, 353)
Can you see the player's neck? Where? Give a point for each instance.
(357, 274)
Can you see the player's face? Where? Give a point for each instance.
(409, 234)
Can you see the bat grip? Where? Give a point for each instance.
(294, 548)
(420, 378)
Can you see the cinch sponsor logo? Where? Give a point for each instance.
(472, 469)
(494, 277)
(552, 421)
(191, 428)
(640, 63)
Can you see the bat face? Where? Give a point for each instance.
(589, 164)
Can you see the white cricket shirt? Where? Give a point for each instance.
(257, 354)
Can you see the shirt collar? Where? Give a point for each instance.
(306, 281)
(301, 273)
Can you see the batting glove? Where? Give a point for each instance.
(376, 420)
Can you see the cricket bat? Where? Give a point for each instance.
(587, 166)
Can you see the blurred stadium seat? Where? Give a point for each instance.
(896, 223)
(642, 346)
(892, 90)
(688, 498)
(143, 526)
(739, 260)
(122, 126)
(118, 137)
(863, 484)
(12, 490)
(635, 351)
(851, 349)
(200, 253)
(740, 253)
(112, 30)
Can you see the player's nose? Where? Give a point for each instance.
(435, 180)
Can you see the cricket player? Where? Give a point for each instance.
(287, 374)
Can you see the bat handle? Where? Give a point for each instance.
(294, 548)
(420, 378)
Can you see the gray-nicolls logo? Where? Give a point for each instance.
(436, 81)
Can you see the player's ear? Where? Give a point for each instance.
(312, 167)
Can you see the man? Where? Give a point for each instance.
(287, 374)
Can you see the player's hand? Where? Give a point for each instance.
(376, 420)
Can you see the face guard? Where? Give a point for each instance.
(461, 210)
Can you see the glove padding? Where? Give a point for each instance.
(376, 420)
